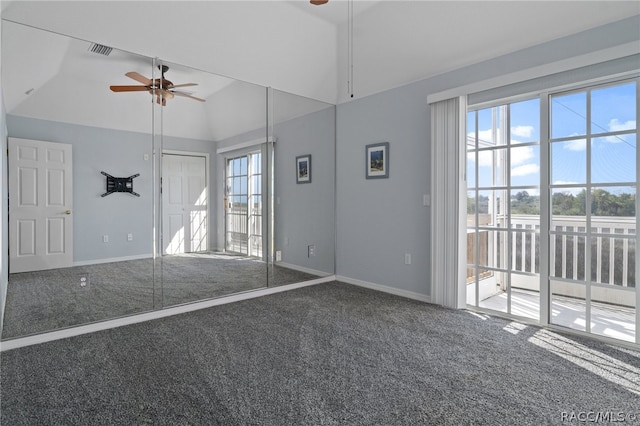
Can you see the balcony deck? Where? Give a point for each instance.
(608, 320)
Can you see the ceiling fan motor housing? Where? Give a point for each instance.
(161, 88)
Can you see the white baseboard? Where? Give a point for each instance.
(112, 259)
(7, 345)
(385, 289)
(301, 269)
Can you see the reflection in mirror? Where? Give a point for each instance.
(213, 133)
(159, 184)
(79, 254)
(304, 210)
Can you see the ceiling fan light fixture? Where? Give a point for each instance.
(161, 88)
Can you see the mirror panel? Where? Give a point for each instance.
(304, 180)
(73, 136)
(227, 187)
(213, 134)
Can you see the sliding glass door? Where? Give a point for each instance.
(562, 166)
(243, 205)
(593, 209)
(503, 208)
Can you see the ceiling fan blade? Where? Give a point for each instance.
(186, 95)
(139, 77)
(182, 85)
(128, 88)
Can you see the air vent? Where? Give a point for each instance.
(100, 49)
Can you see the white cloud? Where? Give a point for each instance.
(485, 138)
(615, 125)
(521, 155)
(485, 159)
(522, 131)
(526, 169)
(576, 145)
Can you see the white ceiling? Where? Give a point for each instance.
(288, 45)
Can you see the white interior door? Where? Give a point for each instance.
(40, 205)
(184, 204)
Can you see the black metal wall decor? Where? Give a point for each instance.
(123, 184)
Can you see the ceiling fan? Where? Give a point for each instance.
(161, 88)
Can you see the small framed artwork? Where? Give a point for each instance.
(377, 160)
(303, 169)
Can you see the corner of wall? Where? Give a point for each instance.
(4, 256)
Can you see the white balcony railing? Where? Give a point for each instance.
(612, 249)
(244, 229)
(612, 253)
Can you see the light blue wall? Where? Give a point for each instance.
(378, 221)
(120, 154)
(304, 213)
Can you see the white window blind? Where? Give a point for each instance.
(448, 195)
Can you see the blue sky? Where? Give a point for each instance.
(239, 184)
(613, 109)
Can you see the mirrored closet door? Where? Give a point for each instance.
(81, 180)
(149, 184)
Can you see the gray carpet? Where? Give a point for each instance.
(48, 300)
(327, 354)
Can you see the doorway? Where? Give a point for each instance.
(185, 203)
(551, 208)
(40, 205)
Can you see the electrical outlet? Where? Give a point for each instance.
(311, 250)
(105, 238)
(129, 237)
(278, 256)
(83, 280)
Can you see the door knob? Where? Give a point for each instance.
(67, 212)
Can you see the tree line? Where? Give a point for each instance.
(603, 203)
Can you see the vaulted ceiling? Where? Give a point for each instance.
(291, 46)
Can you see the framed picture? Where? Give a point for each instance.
(303, 169)
(377, 160)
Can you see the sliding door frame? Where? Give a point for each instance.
(545, 205)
